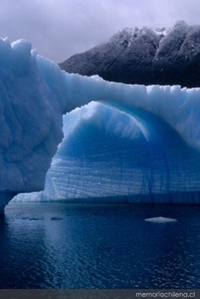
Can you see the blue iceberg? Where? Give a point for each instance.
(136, 144)
(114, 154)
(125, 143)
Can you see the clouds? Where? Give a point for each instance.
(61, 28)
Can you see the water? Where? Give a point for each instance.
(57, 245)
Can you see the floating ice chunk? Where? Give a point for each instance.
(161, 219)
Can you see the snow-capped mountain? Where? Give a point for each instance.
(144, 56)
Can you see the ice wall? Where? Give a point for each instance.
(32, 101)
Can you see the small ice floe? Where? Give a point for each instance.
(161, 219)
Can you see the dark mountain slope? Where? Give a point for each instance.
(145, 56)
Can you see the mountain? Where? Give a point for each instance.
(144, 56)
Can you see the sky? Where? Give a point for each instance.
(59, 29)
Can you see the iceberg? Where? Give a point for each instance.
(138, 145)
(113, 154)
(121, 142)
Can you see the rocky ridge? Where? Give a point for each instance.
(144, 56)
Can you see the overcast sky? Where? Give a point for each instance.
(61, 28)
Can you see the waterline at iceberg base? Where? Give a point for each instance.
(159, 198)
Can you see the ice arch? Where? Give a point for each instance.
(113, 154)
(35, 93)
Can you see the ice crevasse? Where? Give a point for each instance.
(129, 142)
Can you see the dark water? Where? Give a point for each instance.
(99, 246)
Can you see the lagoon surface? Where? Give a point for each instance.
(59, 245)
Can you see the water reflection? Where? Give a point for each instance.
(99, 246)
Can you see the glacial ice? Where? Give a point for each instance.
(136, 144)
(114, 153)
(31, 111)
(130, 144)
